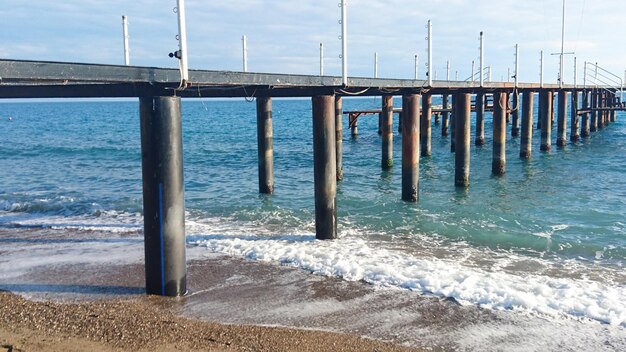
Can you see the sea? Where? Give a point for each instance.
(548, 238)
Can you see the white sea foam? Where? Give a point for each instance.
(356, 259)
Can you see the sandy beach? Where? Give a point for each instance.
(83, 290)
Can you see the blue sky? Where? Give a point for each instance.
(284, 36)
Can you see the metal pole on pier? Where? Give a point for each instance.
(163, 195)
(462, 135)
(244, 43)
(410, 147)
(321, 59)
(480, 69)
(344, 42)
(182, 41)
(575, 72)
(125, 33)
(376, 65)
(516, 65)
(448, 70)
(541, 71)
(562, 48)
(472, 79)
(416, 66)
(265, 142)
(430, 54)
(325, 167)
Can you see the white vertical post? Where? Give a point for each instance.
(595, 76)
(473, 71)
(508, 74)
(448, 70)
(482, 62)
(182, 40)
(321, 59)
(430, 54)
(585, 74)
(456, 75)
(244, 43)
(488, 73)
(344, 42)
(125, 32)
(417, 66)
(575, 71)
(516, 64)
(541, 70)
(561, 77)
(375, 65)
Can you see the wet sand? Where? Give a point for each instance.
(89, 286)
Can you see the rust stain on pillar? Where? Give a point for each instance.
(387, 132)
(339, 136)
(425, 124)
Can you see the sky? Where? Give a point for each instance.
(284, 35)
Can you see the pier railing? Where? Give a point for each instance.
(599, 77)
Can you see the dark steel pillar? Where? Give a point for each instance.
(387, 133)
(462, 135)
(425, 124)
(410, 147)
(265, 141)
(515, 115)
(546, 120)
(498, 163)
(163, 196)
(445, 116)
(561, 132)
(452, 122)
(339, 136)
(325, 167)
(575, 119)
(480, 118)
(526, 140)
(585, 128)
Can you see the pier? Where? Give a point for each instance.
(159, 90)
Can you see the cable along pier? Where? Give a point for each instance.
(586, 109)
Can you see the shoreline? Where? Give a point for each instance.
(91, 268)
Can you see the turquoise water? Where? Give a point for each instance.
(558, 218)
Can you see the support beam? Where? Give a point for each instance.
(387, 132)
(462, 135)
(546, 120)
(561, 133)
(601, 114)
(498, 163)
(515, 114)
(594, 113)
(163, 196)
(339, 136)
(586, 125)
(575, 119)
(324, 167)
(265, 141)
(445, 117)
(480, 118)
(425, 124)
(526, 140)
(410, 147)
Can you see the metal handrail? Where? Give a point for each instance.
(616, 83)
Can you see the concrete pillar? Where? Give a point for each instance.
(324, 167)
(498, 163)
(526, 140)
(546, 120)
(575, 119)
(410, 147)
(339, 136)
(586, 125)
(425, 124)
(445, 116)
(387, 132)
(601, 114)
(462, 135)
(354, 130)
(452, 122)
(614, 112)
(400, 123)
(561, 133)
(594, 113)
(380, 123)
(163, 196)
(265, 144)
(480, 118)
(515, 115)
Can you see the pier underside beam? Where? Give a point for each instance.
(163, 196)
(325, 167)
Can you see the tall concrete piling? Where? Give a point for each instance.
(601, 113)
(561, 133)
(425, 124)
(546, 120)
(575, 119)
(339, 136)
(462, 135)
(410, 147)
(526, 140)
(614, 112)
(498, 163)
(387, 132)
(594, 113)
(354, 130)
(445, 122)
(452, 124)
(515, 109)
(324, 167)
(480, 118)
(265, 144)
(163, 196)
(586, 125)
